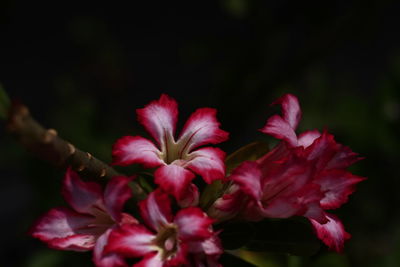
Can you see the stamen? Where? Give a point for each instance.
(169, 243)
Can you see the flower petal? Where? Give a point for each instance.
(329, 154)
(190, 198)
(252, 211)
(280, 129)
(308, 137)
(159, 118)
(180, 258)
(135, 149)
(228, 205)
(287, 190)
(116, 193)
(131, 240)
(248, 176)
(286, 178)
(281, 208)
(208, 162)
(310, 196)
(151, 260)
(290, 109)
(322, 149)
(63, 228)
(343, 158)
(337, 185)
(331, 233)
(210, 246)
(81, 196)
(283, 127)
(102, 259)
(173, 179)
(201, 128)
(193, 224)
(206, 253)
(156, 210)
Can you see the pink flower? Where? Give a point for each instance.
(176, 160)
(87, 224)
(181, 240)
(303, 175)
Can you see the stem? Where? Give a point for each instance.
(47, 145)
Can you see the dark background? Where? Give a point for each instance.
(84, 71)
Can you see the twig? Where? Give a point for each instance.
(47, 145)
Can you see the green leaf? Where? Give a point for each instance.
(45, 258)
(252, 151)
(232, 260)
(4, 103)
(293, 236)
(336, 260)
(210, 194)
(264, 259)
(143, 182)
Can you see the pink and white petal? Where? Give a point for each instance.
(310, 196)
(190, 198)
(209, 163)
(201, 128)
(290, 109)
(64, 223)
(308, 137)
(136, 149)
(102, 259)
(248, 176)
(127, 219)
(193, 224)
(329, 154)
(151, 260)
(252, 212)
(59, 223)
(343, 158)
(286, 178)
(331, 233)
(229, 205)
(173, 179)
(210, 246)
(322, 150)
(130, 240)
(81, 196)
(280, 129)
(281, 208)
(79, 242)
(274, 157)
(314, 211)
(180, 258)
(159, 118)
(116, 193)
(156, 210)
(337, 185)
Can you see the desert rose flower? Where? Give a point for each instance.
(177, 160)
(303, 175)
(186, 239)
(87, 224)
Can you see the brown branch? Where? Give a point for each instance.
(47, 145)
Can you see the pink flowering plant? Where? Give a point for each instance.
(194, 206)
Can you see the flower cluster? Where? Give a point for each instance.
(304, 175)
